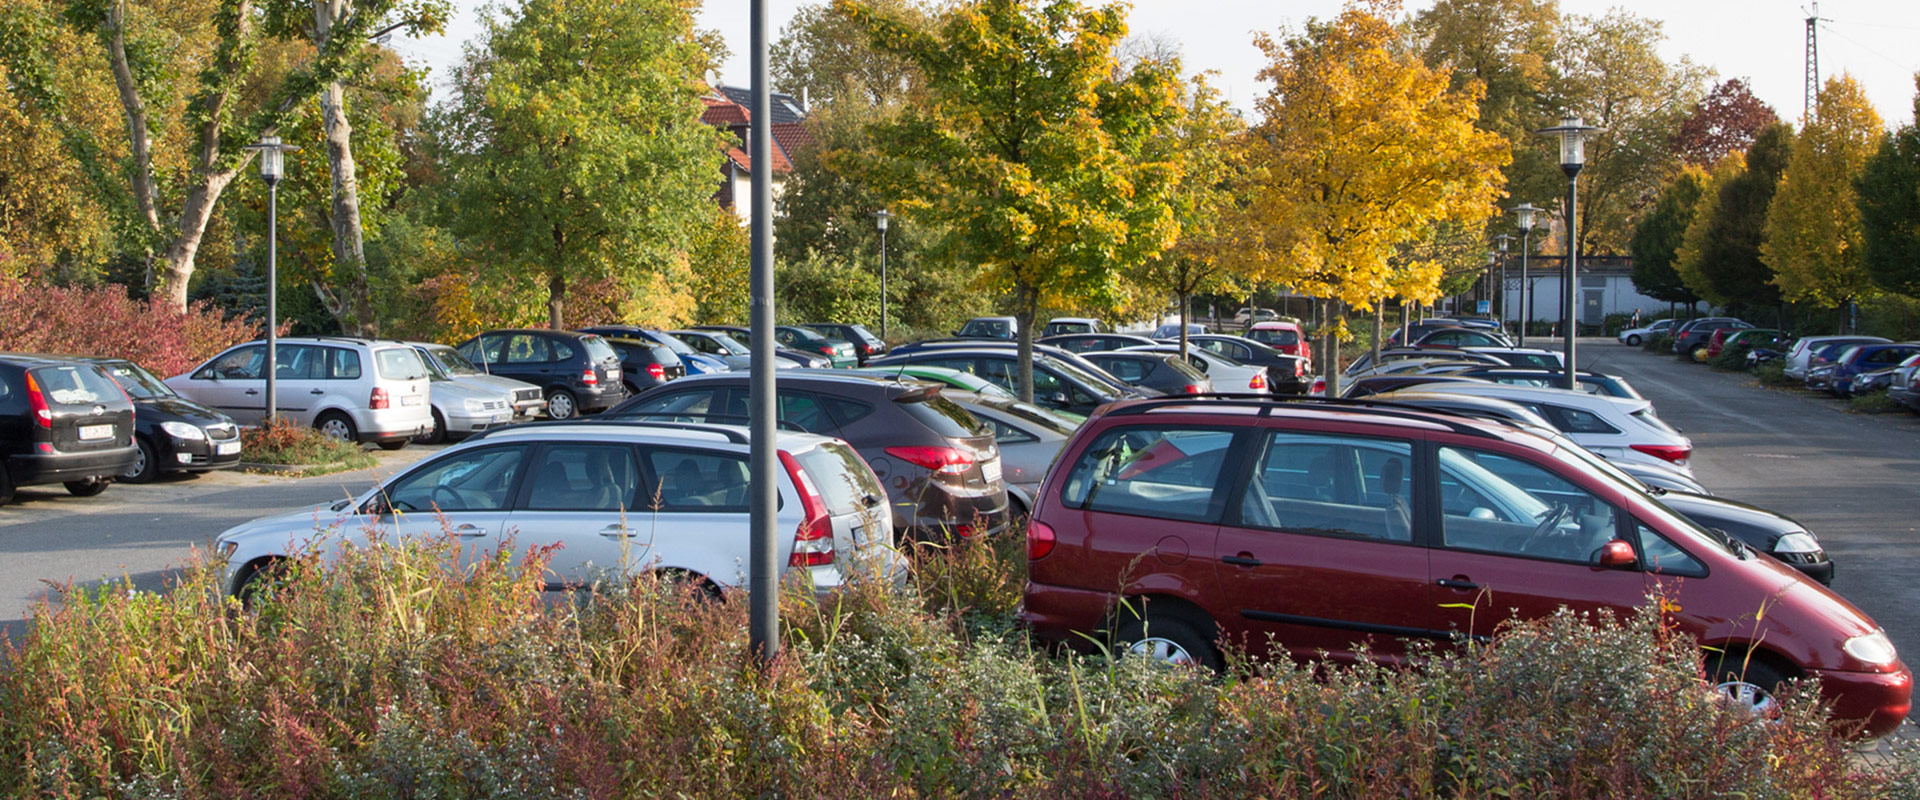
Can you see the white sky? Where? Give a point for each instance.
(1876, 41)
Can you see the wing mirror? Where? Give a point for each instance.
(1616, 554)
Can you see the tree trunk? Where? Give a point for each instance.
(1184, 301)
(556, 301)
(193, 225)
(1332, 349)
(1025, 299)
(349, 251)
(1379, 315)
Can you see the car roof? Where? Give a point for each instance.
(37, 359)
(1071, 319)
(802, 376)
(1271, 325)
(1367, 411)
(1545, 394)
(547, 331)
(602, 429)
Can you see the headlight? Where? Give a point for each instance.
(226, 548)
(181, 430)
(1796, 543)
(476, 406)
(1873, 648)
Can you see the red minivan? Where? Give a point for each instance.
(1300, 528)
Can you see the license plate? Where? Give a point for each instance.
(96, 432)
(503, 418)
(226, 448)
(613, 374)
(411, 400)
(990, 470)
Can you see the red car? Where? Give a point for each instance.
(1282, 336)
(1303, 528)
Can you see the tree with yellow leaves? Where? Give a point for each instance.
(1362, 148)
(1813, 237)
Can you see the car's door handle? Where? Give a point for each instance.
(316, 391)
(468, 530)
(1242, 560)
(1454, 583)
(616, 531)
(253, 391)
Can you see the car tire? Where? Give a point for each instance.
(561, 404)
(87, 488)
(1633, 341)
(258, 580)
(6, 485)
(1746, 682)
(147, 467)
(439, 432)
(396, 444)
(1167, 638)
(337, 425)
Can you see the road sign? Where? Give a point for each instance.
(1484, 307)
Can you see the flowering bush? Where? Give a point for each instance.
(104, 321)
(280, 441)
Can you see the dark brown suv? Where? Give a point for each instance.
(940, 464)
(62, 421)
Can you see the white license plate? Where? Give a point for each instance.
(226, 448)
(411, 400)
(990, 470)
(88, 432)
(503, 418)
(613, 374)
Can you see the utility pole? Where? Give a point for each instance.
(1813, 61)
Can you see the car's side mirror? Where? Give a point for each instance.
(1616, 554)
(377, 507)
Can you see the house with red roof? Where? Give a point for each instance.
(729, 108)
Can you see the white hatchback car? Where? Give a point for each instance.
(1227, 374)
(360, 390)
(1616, 428)
(614, 498)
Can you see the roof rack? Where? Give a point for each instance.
(1266, 403)
(733, 436)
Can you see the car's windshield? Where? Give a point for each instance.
(452, 362)
(434, 372)
(678, 347)
(139, 383)
(1075, 372)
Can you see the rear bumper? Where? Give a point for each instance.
(1058, 613)
(36, 469)
(395, 424)
(1874, 702)
(608, 397)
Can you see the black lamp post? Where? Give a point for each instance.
(880, 218)
(1503, 239)
(1525, 211)
(272, 169)
(1573, 139)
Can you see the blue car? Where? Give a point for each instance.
(692, 360)
(1862, 359)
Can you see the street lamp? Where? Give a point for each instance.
(1573, 156)
(1503, 239)
(880, 218)
(1525, 211)
(272, 168)
(1486, 277)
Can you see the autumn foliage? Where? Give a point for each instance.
(104, 321)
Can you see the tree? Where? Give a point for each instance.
(1033, 152)
(1813, 237)
(1208, 206)
(1658, 236)
(1725, 121)
(1727, 253)
(1696, 240)
(1887, 193)
(825, 57)
(575, 152)
(1361, 148)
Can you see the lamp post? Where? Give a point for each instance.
(272, 169)
(880, 218)
(1573, 139)
(1486, 277)
(763, 552)
(1503, 239)
(1525, 211)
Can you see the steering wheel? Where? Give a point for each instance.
(458, 501)
(1542, 535)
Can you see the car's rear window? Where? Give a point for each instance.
(399, 364)
(598, 350)
(945, 417)
(842, 477)
(1280, 336)
(139, 383)
(76, 385)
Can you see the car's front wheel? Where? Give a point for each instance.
(439, 432)
(1746, 683)
(561, 404)
(1634, 340)
(1166, 638)
(86, 488)
(145, 466)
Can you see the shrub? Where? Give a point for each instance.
(1730, 358)
(104, 321)
(1873, 403)
(1774, 373)
(1661, 343)
(283, 442)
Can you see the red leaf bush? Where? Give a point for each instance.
(104, 321)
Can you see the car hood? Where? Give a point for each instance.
(461, 389)
(168, 409)
(1719, 512)
(300, 523)
(496, 383)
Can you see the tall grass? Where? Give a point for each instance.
(393, 673)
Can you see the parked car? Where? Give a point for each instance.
(1285, 337)
(1363, 364)
(1227, 374)
(1693, 334)
(461, 409)
(805, 339)
(1057, 383)
(1029, 438)
(865, 344)
(1252, 316)
(1616, 428)
(1724, 337)
(609, 499)
(1167, 374)
(741, 336)
(1528, 357)
(174, 434)
(1171, 331)
(1588, 380)
(1091, 342)
(1380, 384)
(1005, 328)
(1285, 374)
(1866, 358)
(1800, 356)
(1904, 388)
(579, 373)
(645, 363)
(1632, 337)
(950, 378)
(1061, 326)
(1825, 361)
(1075, 359)
(62, 421)
(938, 463)
(1316, 531)
(690, 360)
(1463, 337)
(528, 400)
(1775, 534)
(356, 390)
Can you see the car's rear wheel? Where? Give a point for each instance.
(561, 404)
(6, 485)
(1746, 683)
(1166, 638)
(338, 426)
(145, 465)
(86, 488)
(1633, 340)
(439, 432)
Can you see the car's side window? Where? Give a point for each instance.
(844, 411)
(575, 476)
(1573, 420)
(1006, 434)
(246, 363)
(1125, 369)
(803, 411)
(965, 365)
(694, 405)
(1335, 485)
(1661, 556)
(526, 348)
(783, 337)
(695, 480)
(488, 350)
(296, 362)
(343, 364)
(1500, 504)
(1152, 472)
(472, 480)
(562, 350)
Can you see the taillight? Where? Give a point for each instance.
(1676, 453)
(657, 372)
(1191, 388)
(589, 378)
(1259, 382)
(828, 350)
(1319, 388)
(378, 399)
(1039, 540)
(42, 415)
(813, 540)
(944, 460)
(1299, 368)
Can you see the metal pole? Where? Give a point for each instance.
(883, 284)
(763, 630)
(1569, 275)
(273, 298)
(1526, 307)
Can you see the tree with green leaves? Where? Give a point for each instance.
(1813, 236)
(1726, 253)
(1209, 206)
(1887, 193)
(1658, 235)
(1040, 160)
(1696, 239)
(574, 151)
